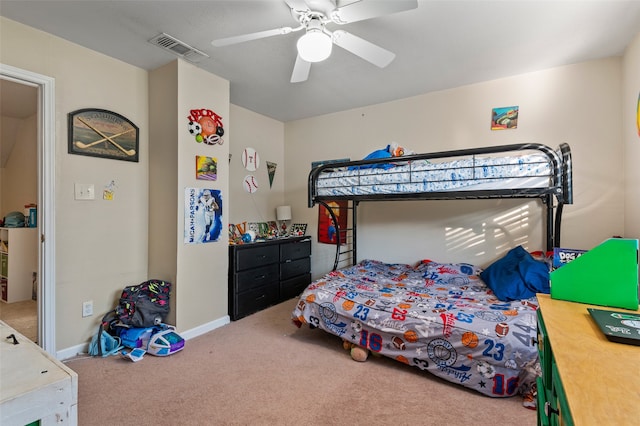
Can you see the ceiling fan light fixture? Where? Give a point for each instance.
(314, 46)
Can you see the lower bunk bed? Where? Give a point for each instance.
(441, 318)
(438, 317)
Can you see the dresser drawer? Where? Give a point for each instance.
(544, 351)
(294, 286)
(254, 301)
(247, 258)
(543, 401)
(296, 250)
(293, 268)
(559, 398)
(256, 277)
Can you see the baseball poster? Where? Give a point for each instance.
(202, 215)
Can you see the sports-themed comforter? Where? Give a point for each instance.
(438, 317)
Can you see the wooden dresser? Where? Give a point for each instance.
(586, 379)
(266, 273)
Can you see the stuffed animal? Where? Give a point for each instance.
(398, 151)
(357, 353)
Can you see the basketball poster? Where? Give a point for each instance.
(327, 229)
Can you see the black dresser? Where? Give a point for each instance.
(266, 273)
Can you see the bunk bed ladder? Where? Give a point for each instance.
(346, 241)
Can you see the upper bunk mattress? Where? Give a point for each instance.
(469, 174)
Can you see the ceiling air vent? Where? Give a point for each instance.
(179, 48)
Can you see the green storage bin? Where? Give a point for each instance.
(606, 275)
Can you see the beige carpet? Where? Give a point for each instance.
(262, 370)
(22, 317)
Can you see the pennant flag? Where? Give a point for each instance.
(271, 169)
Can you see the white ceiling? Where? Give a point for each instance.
(439, 45)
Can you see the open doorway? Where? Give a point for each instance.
(18, 188)
(44, 165)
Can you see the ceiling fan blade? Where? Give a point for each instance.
(252, 36)
(300, 70)
(363, 48)
(362, 10)
(298, 5)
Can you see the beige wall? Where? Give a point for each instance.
(198, 271)
(101, 245)
(577, 104)
(631, 136)
(266, 136)
(20, 173)
(201, 283)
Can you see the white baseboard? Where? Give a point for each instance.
(73, 351)
(82, 349)
(205, 328)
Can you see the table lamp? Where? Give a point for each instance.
(283, 214)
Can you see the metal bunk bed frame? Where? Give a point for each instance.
(561, 188)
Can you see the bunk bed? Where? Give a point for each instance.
(442, 318)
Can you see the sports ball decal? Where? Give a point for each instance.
(347, 305)
(485, 369)
(502, 329)
(411, 336)
(470, 339)
(442, 352)
(206, 126)
(250, 159)
(398, 343)
(250, 184)
(194, 128)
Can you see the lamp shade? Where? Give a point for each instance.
(314, 46)
(283, 213)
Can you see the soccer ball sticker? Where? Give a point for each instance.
(195, 129)
(206, 126)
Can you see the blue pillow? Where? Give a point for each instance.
(517, 276)
(381, 153)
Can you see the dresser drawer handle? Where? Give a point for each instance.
(260, 277)
(548, 410)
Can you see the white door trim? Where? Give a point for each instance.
(46, 199)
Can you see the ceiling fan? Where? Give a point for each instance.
(316, 44)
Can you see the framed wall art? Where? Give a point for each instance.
(504, 118)
(298, 229)
(327, 230)
(102, 133)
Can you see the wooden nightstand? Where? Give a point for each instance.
(586, 379)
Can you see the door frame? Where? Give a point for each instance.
(46, 148)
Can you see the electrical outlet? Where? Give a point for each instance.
(87, 308)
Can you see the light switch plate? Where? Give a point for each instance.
(84, 191)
